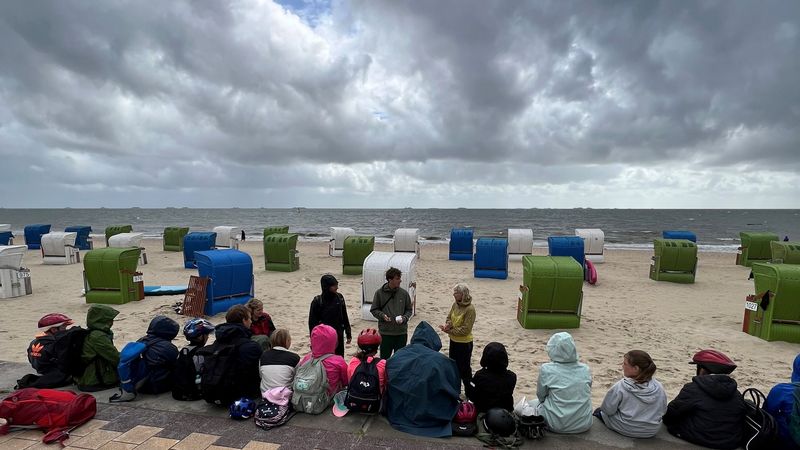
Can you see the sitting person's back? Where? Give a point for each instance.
(160, 355)
(99, 354)
(323, 342)
(43, 356)
(709, 411)
(186, 376)
(493, 385)
(781, 402)
(424, 386)
(278, 363)
(244, 380)
(564, 388)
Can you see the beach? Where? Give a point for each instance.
(625, 310)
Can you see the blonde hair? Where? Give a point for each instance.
(463, 289)
(281, 338)
(253, 304)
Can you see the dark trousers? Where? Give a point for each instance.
(461, 353)
(339, 343)
(390, 344)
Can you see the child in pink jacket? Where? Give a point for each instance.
(323, 341)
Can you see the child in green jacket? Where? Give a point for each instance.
(99, 353)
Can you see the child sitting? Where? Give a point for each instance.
(323, 346)
(99, 354)
(278, 363)
(262, 326)
(493, 385)
(635, 404)
(42, 354)
(186, 376)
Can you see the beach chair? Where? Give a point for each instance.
(355, 251)
(110, 276)
(117, 229)
(173, 238)
(785, 252)
(520, 243)
(491, 258)
(674, 260)
(227, 237)
(773, 313)
(567, 246)
(275, 230)
(280, 252)
(460, 244)
(406, 240)
(124, 240)
(679, 234)
(59, 247)
(593, 243)
(374, 276)
(230, 274)
(6, 236)
(755, 247)
(551, 295)
(15, 280)
(83, 240)
(33, 235)
(196, 241)
(338, 235)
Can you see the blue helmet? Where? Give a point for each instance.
(196, 328)
(242, 409)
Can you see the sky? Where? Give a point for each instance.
(376, 104)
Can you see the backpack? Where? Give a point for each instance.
(57, 412)
(218, 373)
(68, 350)
(271, 415)
(364, 390)
(794, 417)
(760, 429)
(310, 386)
(185, 377)
(132, 366)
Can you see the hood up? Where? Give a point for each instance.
(101, 317)
(720, 387)
(425, 335)
(229, 332)
(495, 357)
(163, 327)
(323, 340)
(561, 348)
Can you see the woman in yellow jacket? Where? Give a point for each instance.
(459, 327)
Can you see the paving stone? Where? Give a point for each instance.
(17, 444)
(88, 427)
(196, 441)
(219, 447)
(29, 435)
(95, 439)
(113, 445)
(157, 443)
(258, 445)
(138, 434)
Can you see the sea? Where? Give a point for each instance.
(716, 229)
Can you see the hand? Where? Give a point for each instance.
(386, 318)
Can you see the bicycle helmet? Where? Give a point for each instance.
(195, 328)
(713, 361)
(53, 320)
(466, 412)
(242, 409)
(369, 338)
(499, 422)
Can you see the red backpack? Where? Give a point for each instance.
(56, 412)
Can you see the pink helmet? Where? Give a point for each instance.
(53, 320)
(466, 413)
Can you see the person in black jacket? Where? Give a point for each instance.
(236, 329)
(330, 308)
(709, 411)
(43, 356)
(160, 355)
(493, 385)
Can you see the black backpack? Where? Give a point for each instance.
(364, 389)
(218, 373)
(68, 350)
(185, 385)
(760, 429)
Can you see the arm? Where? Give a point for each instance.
(104, 347)
(375, 309)
(611, 402)
(681, 405)
(541, 388)
(345, 319)
(466, 326)
(408, 311)
(313, 315)
(271, 325)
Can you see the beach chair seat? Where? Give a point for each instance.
(275, 230)
(124, 240)
(336, 243)
(227, 237)
(520, 243)
(355, 251)
(551, 295)
(15, 280)
(83, 239)
(110, 276)
(491, 258)
(112, 230)
(33, 235)
(460, 244)
(280, 252)
(567, 246)
(755, 247)
(406, 240)
(674, 260)
(59, 247)
(773, 313)
(593, 243)
(173, 238)
(196, 241)
(785, 252)
(230, 274)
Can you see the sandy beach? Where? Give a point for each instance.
(625, 310)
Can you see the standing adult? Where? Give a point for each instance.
(459, 327)
(391, 305)
(329, 308)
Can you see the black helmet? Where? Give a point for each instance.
(499, 422)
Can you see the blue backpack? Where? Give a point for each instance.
(132, 367)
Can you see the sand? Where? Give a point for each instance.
(625, 310)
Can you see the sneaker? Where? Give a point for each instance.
(122, 396)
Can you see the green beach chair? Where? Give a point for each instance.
(275, 230)
(551, 293)
(280, 252)
(785, 252)
(773, 313)
(755, 247)
(356, 250)
(110, 276)
(117, 229)
(173, 238)
(675, 260)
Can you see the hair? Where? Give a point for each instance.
(642, 360)
(253, 304)
(281, 338)
(364, 352)
(393, 272)
(464, 290)
(237, 314)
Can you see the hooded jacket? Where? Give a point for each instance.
(323, 341)
(780, 402)
(99, 353)
(329, 308)
(247, 358)
(709, 411)
(564, 388)
(422, 397)
(461, 318)
(493, 385)
(160, 355)
(634, 409)
(393, 303)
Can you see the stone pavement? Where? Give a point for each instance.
(159, 422)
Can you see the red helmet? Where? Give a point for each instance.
(714, 361)
(53, 320)
(466, 413)
(369, 338)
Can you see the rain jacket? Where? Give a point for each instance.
(709, 411)
(493, 385)
(323, 341)
(564, 388)
(461, 318)
(99, 353)
(634, 409)
(393, 303)
(780, 402)
(248, 356)
(160, 355)
(424, 384)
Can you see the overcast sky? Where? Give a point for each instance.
(400, 103)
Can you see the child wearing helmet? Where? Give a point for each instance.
(493, 385)
(709, 411)
(186, 377)
(369, 341)
(42, 354)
